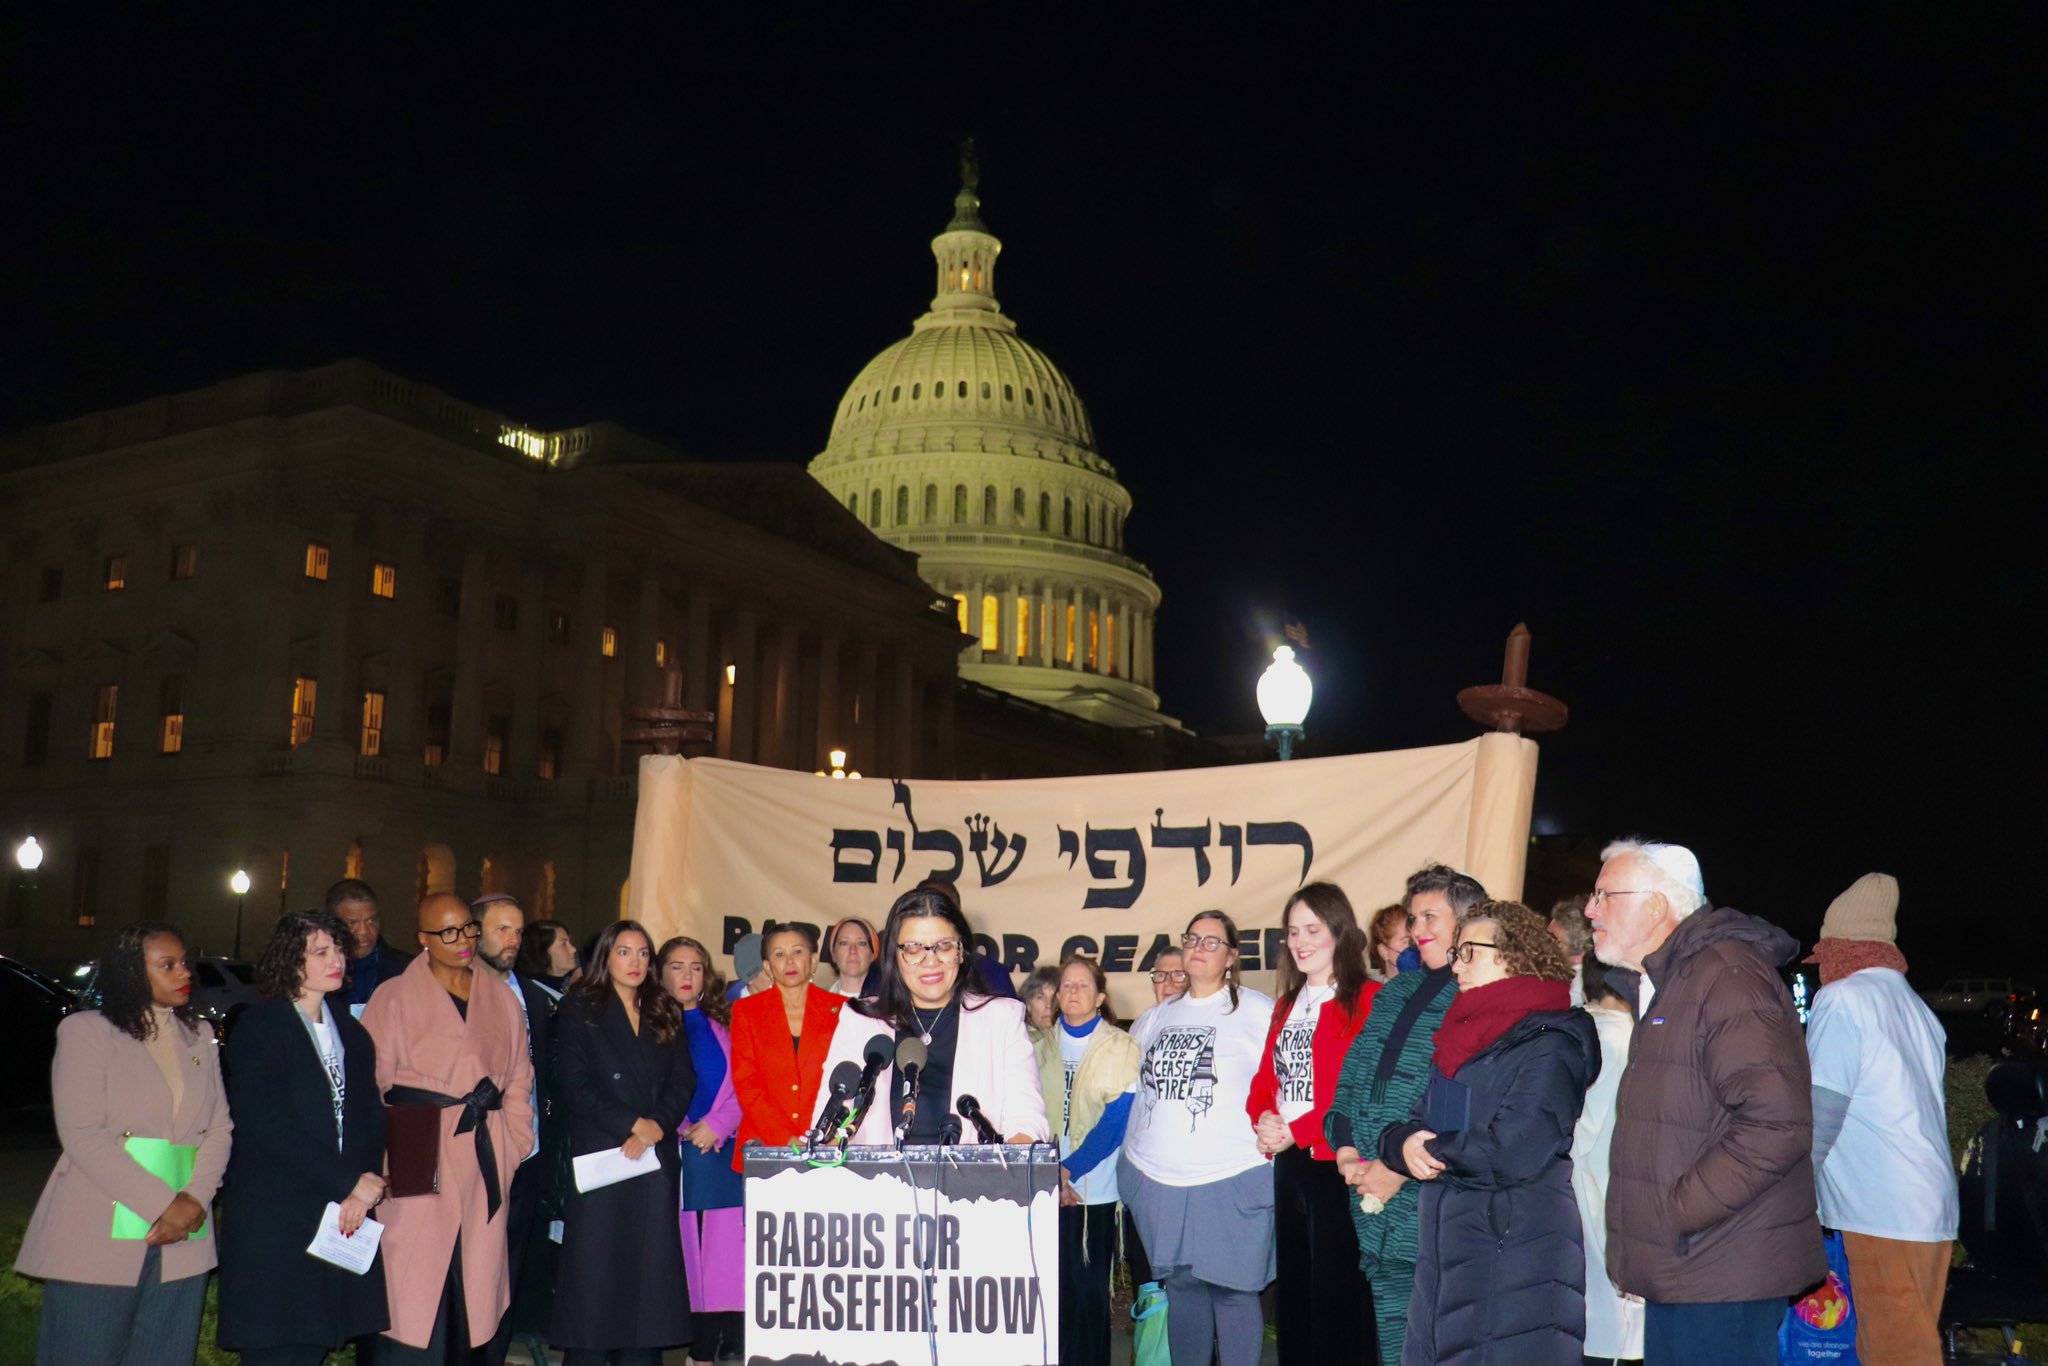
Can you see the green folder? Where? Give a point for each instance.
(170, 1163)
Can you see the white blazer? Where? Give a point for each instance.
(993, 1062)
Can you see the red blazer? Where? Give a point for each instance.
(775, 1084)
(1335, 1029)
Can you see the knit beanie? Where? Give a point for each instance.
(1868, 910)
(746, 957)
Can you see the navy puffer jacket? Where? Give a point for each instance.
(1500, 1273)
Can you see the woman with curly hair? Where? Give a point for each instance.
(136, 1090)
(622, 1070)
(1500, 1270)
(304, 1080)
(712, 1220)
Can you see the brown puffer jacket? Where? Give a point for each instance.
(1710, 1194)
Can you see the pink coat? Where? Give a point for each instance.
(105, 1087)
(994, 1063)
(422, 1041)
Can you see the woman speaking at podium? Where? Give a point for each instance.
(974, 1044)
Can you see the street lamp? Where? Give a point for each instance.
(28, 855)
(239, 885)
(1284, 694)
(837, 758)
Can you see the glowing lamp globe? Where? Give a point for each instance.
(29, 855)
(1285, 690)
(239, 883)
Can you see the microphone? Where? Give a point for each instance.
(878, 1054)
(970, 1110)
(845, 1080)
(911, 1055)
(949, 1130)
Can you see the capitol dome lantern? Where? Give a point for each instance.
(965, 445)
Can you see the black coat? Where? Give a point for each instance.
(619, 1281)
(1500, 1270)
(283, 1169)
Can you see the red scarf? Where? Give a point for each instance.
(1479, 1016)
(1840, 957)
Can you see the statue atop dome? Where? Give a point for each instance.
(967, 204)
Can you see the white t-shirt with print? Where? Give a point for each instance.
(1294, 1061)
(1098, 1185)
(1188, 1126)
(1888, 1175)
(327, 1042)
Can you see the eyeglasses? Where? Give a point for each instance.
(945, 950)
(1464, 952)
(1174, 977)
(453, 933)
(1207, 942)
(1599, 897)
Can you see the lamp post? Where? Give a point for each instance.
(239, 885)
(837, 758)
(1284, 694)
(28, 856)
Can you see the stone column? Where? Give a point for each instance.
(701, 674)
(746, 690)
(778, 697)
(466, 706)
(334, 719)
(1043, 634)
(1124, 653)
(643, 675)
(831, 723)
(1011, 645)
(522, 752)
(585, 741)
(944, 764)
(867, 752)
(412, 619)
(903, 718)
(977, 587)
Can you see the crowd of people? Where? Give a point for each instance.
(1460, 1132)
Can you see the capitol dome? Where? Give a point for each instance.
(965, 445)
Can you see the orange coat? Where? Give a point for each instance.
(775, 1084)
(422, 1041)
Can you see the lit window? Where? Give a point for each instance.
(1070, 633)
(902, 506)
(372, 743)
(116, 577)
(1094, 655)
(1023, 624)
(316, 561)
(170, 734)
(304, 693)
(960, 606)
(732, 674)
(495, 731)
(435, 752)
(991, 623)
(384, 580)
(661, 654)
(609, 643)
(1109, 643)
(550, 753)
(505, 612)
(185, 560)
(105, 703)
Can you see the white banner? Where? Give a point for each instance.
(1113, 866)
(936, 1254)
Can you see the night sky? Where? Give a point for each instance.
(1709, 346)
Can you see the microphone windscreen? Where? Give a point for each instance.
(845, 1078)
(968, 1106)
(878, 1053)
(911, 1054)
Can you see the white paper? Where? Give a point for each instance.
(555, 1230)
(594, 1171)
(352, 1254)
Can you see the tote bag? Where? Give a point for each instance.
(1820, 1328)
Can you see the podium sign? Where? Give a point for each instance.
(917, 1255)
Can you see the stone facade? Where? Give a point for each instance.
(352, 624)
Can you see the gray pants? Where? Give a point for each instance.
(154, 1322)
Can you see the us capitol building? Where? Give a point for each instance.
(337, 622)
(963, 444)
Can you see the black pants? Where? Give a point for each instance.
(449, 1345)
(617, 1356)
(522, 1204)
(1087, 1250)
(717, 1330)
(283, 1356)
(1134, 1254)
(1325, 1308)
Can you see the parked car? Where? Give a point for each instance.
(30, 1007)
(222, 988)
(1969, 995)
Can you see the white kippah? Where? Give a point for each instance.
(1677, 862)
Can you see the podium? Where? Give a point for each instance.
(922, 1254)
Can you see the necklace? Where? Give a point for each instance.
(925, 1030)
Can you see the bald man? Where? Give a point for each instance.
(453, 1041)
